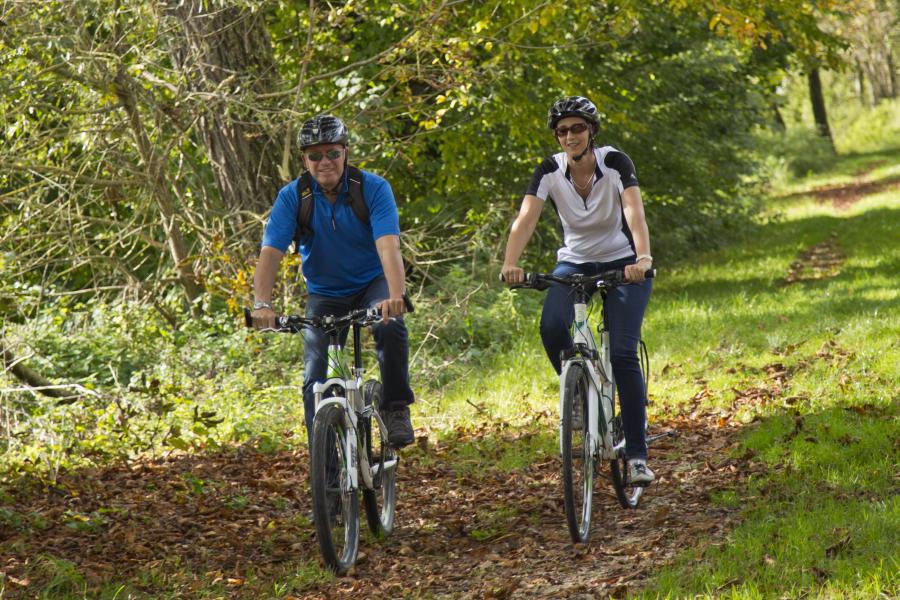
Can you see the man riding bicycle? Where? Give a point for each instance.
(345, 226)
(596, 195)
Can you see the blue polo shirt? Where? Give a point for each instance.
(339, 258)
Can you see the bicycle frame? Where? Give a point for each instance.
(342, 425)
(350, 381)
(599, 369)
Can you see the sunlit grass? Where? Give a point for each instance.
(823, 521)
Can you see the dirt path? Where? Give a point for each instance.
(844, 195)
(239, 518)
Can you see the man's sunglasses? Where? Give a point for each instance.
(576, 128)
(317, 155)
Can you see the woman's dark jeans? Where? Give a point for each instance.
(624, 308)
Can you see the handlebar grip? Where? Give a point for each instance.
(248, 319)
(649, 273)
(409, 305)
(525, 280)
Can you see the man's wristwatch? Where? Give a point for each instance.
(262, 304)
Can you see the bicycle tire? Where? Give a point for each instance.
(628, 495)
(379, 503)
(335, 506)
(577, 458)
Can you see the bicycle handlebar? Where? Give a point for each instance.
(296, 323)
(607, 279)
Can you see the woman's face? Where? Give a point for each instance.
(572, 141)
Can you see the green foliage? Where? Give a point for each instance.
(149, 389)
(868, 130)
(446, 99)
(799, 152)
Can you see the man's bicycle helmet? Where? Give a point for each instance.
(573, 106)
(323, 129)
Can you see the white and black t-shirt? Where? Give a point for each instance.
(594, 230)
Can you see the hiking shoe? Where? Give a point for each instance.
(639, 474)
(400, 431)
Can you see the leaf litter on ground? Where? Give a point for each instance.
(238, 517)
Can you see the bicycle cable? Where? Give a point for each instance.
(645, 369)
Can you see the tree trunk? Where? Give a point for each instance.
(779, 120)
(30, 376)
(861, 84)
(892, 72)
(227, 59)
(818, 106)
(160, 190)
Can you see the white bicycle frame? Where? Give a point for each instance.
(351, 404)
(600, 392)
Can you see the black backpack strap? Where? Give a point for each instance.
(305, 202)
(304, 206)
(357, 199)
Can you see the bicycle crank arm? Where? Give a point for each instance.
(664, 434)
(387, 466)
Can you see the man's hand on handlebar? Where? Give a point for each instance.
(391, 308)
(263, 318)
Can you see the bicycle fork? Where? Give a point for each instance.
(350, 441)
(359, 461)
(600, 399)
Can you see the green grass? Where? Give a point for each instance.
(823, 520)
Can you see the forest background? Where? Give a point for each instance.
(142, 144)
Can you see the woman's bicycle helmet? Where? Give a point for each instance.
(574, 106)
(323, 129)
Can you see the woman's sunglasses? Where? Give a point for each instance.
(317, 155)
(576, 128)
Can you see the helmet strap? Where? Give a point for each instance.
(588, 148)
(337, 189)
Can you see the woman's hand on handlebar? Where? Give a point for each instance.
(512, 274)
(635, 273)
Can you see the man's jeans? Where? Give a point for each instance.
(391, 345)
(624, 307)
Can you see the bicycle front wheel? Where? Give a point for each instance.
(335, 504)
(577, 458)
(380, 501)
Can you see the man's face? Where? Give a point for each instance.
(325, 162)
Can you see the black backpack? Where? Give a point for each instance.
(305, 202)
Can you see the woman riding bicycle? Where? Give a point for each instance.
(596, 195)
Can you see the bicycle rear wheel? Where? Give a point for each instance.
(379, 503)
(335, 505)
(577, 458)
(629, 495)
